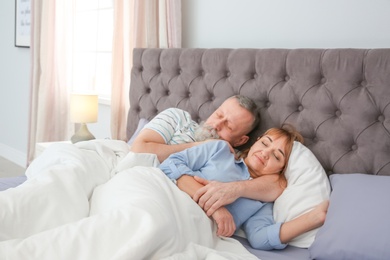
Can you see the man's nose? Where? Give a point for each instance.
(218, 124)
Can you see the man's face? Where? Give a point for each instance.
(205, 132)
(231, 122)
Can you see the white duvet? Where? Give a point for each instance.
(95, 200)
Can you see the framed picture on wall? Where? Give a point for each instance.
(22, 23)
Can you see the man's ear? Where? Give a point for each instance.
(243, 140)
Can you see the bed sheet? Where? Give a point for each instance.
(97, 200)
(288, 253)
(11, 182)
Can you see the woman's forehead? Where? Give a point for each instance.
(276, 138)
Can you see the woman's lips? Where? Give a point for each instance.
(260, 159)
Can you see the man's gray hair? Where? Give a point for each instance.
(251, 106)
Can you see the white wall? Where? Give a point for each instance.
(206, 24)
(286, 23)
(14, 92)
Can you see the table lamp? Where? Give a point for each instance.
(83, 110)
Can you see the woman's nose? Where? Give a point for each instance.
(266, 154)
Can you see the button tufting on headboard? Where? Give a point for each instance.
(339, 99)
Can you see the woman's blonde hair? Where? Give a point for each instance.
(290, 134)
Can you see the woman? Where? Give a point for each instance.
(267, 156)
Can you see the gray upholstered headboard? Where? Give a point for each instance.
(339, 99)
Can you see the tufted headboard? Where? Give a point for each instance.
(339, 99)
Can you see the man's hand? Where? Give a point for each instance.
(225, 222)
(214, 195)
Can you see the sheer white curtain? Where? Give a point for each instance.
(138, 23)
(51, 41)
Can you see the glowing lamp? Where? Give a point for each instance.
(83, 110)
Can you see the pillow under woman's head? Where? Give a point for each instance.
(307, 186)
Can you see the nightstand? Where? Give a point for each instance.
(40, 147)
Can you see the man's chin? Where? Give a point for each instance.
(205, 132)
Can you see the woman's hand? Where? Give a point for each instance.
(225, 222)
(215, 195)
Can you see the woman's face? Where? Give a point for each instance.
(267, 156)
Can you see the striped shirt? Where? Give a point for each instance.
(174, 125)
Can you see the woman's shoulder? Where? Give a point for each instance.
(223, 147)
(219, 143)
(216, 145)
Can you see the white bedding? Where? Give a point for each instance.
(95, 200)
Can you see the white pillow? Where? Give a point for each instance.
(307, 186)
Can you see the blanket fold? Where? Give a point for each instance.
(96, 200)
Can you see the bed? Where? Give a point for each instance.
(97, 200)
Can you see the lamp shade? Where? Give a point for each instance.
(83, 108)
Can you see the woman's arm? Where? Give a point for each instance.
(304, 223)
(187, 184)
(222, 216)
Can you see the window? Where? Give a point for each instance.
(92, 50)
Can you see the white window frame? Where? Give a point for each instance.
(92, 48)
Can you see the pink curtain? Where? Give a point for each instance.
(51, 38)
(138, 23)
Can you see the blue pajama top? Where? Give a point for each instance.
(214, 161)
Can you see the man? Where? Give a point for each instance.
(173, 130)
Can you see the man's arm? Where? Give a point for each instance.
(149, 141)
(216, 194)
